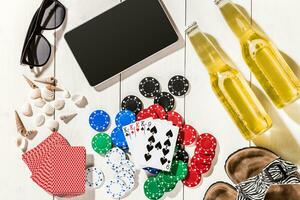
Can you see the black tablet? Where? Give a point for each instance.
(120, 38)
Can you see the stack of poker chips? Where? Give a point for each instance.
(201, 162)
(156, 186)
(57, 167)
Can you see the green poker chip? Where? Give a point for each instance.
(101, 143)
(178, 172)
(152, 189)
(169, 187)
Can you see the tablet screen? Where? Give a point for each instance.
(119, 38)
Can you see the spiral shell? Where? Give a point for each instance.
(47, 94)
(80, 101)
(67, 118)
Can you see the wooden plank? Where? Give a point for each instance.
(276, 19)
(15, 92)
(203, 110)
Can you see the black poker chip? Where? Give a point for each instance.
(182, 155)
(149, 87)
(178, 85)
(132, 103)
(166, 100)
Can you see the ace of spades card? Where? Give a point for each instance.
(160, 142)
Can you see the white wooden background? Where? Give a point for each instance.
(278, 18)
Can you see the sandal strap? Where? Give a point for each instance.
(278, 171)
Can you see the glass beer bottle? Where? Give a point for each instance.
(231, 87)
(263, 58)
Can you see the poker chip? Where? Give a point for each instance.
(125, 165)
(169, 187)
(146, 113)
(158, 110)
(116, 188)
(200, 165)
(178, 171)
(118, 138)
(151, 170)
(181, 155)
(166, 100)
(175, 118)
(101, 143)
(187, 135)
(115, 157)
(124, 118)
(132, 103)
(151, 188)
(127, 178)
(206, 142)
(149, 87)
(192, 179)
(99, 120)
(94, 177)
(204, 152)
(178, 85)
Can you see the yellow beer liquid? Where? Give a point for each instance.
(263, 58)
(231, 88)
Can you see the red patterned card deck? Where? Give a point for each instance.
(57, 167)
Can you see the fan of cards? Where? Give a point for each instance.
(151, 143)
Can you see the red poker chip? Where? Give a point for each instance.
(158, 110)
(145, 113)
(206, 156)
(187, 135)
(192, 179)
(175, 118)
(198, 159)
(207, 141)
(205, 152)
(200, 167)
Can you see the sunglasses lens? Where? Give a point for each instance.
(54, 15)
(38, 51)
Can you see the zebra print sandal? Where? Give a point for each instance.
(220, 191)
(260, 174)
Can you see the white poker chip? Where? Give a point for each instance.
(126, 166)
(115, 157)
(94, 177)
(116, 188)
(128, 180)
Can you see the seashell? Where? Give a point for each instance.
(19, 124)
(35, 93)
(39, 120)
(52, 125)
(30, 134)
(30, 83)
(39, 102)
(67, 118)
(53, 88)
(48, 109)
(67, 94)
(59, 104)
(47, 94)
(80, 101)
(27, 109)
(22, 143)
(49, 80)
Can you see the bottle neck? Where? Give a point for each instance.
(205, 49)
(234, 17)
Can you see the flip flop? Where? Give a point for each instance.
(260, 174)
(220, 191)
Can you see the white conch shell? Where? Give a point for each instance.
(47, 94)
(59, 104)
(39, 120)
(52, 125)
(35, 93)
(22, 143)
(27, 109)
(49, 80)
(67, 94)
(39, 102)
(80, 101)
(67, 118)
(30, 83)
(48, 109)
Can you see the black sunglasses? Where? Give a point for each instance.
(37, 49)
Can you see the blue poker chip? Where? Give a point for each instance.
(151, 170)
(124, 118)
(99, 120)
(118, 138)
